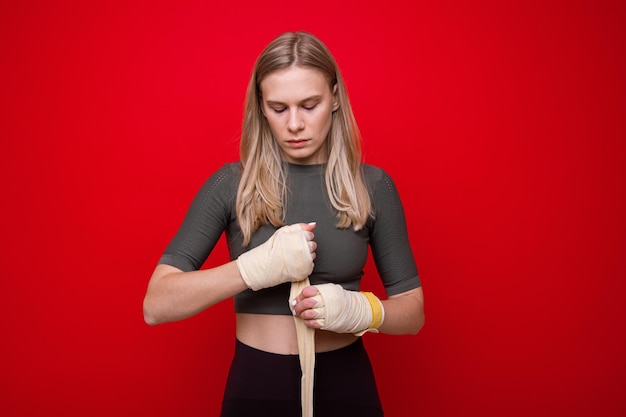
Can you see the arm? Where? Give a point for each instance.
(404, 313)
(395, 263)
(175, 295)
(286, 256)
(178, 288)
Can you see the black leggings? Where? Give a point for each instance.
(267, 384)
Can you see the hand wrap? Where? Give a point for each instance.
(343, 311)
(284, 257)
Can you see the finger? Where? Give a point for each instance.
(307, 292)
(312, 323)
(310, 291)
(302, 305)
(309, 314)
(308, 226)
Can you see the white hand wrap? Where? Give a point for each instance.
(343, 311)
(285, 257)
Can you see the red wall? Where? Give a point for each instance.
(501, 122)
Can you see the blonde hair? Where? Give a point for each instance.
(262, 189)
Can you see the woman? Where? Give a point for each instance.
(298, 206)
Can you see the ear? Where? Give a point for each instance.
(335, 99)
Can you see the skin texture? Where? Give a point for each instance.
(298, 105)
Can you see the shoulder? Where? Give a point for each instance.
(227, 173)
(223, 182)
(382, 188)
(376, 177)
(371, 173)
(229, 169)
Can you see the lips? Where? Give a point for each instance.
(297, 142)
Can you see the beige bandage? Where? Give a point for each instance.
(340, 311)
(306, 352)
(284, 257)
(343, 311)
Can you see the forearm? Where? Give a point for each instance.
(175, 295)
(330, 307)
(404, 313)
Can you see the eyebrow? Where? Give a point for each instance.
(279, 103)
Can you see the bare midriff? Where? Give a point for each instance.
(277, 334)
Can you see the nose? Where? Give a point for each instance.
(295, 122)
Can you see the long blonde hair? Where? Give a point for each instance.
(262, 189)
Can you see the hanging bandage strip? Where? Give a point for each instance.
(306, 351)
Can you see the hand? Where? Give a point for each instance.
(287, 256)
(304, 307)
(330, 307)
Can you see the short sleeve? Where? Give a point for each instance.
(389, 239)
(207, 217)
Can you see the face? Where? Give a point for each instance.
(298, 104)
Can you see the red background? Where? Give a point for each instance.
(501, 122)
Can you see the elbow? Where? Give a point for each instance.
(150, 320)
(149, 314)
(417, 326)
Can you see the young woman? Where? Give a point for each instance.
(299, 207)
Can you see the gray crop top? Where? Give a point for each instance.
(340, 255)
